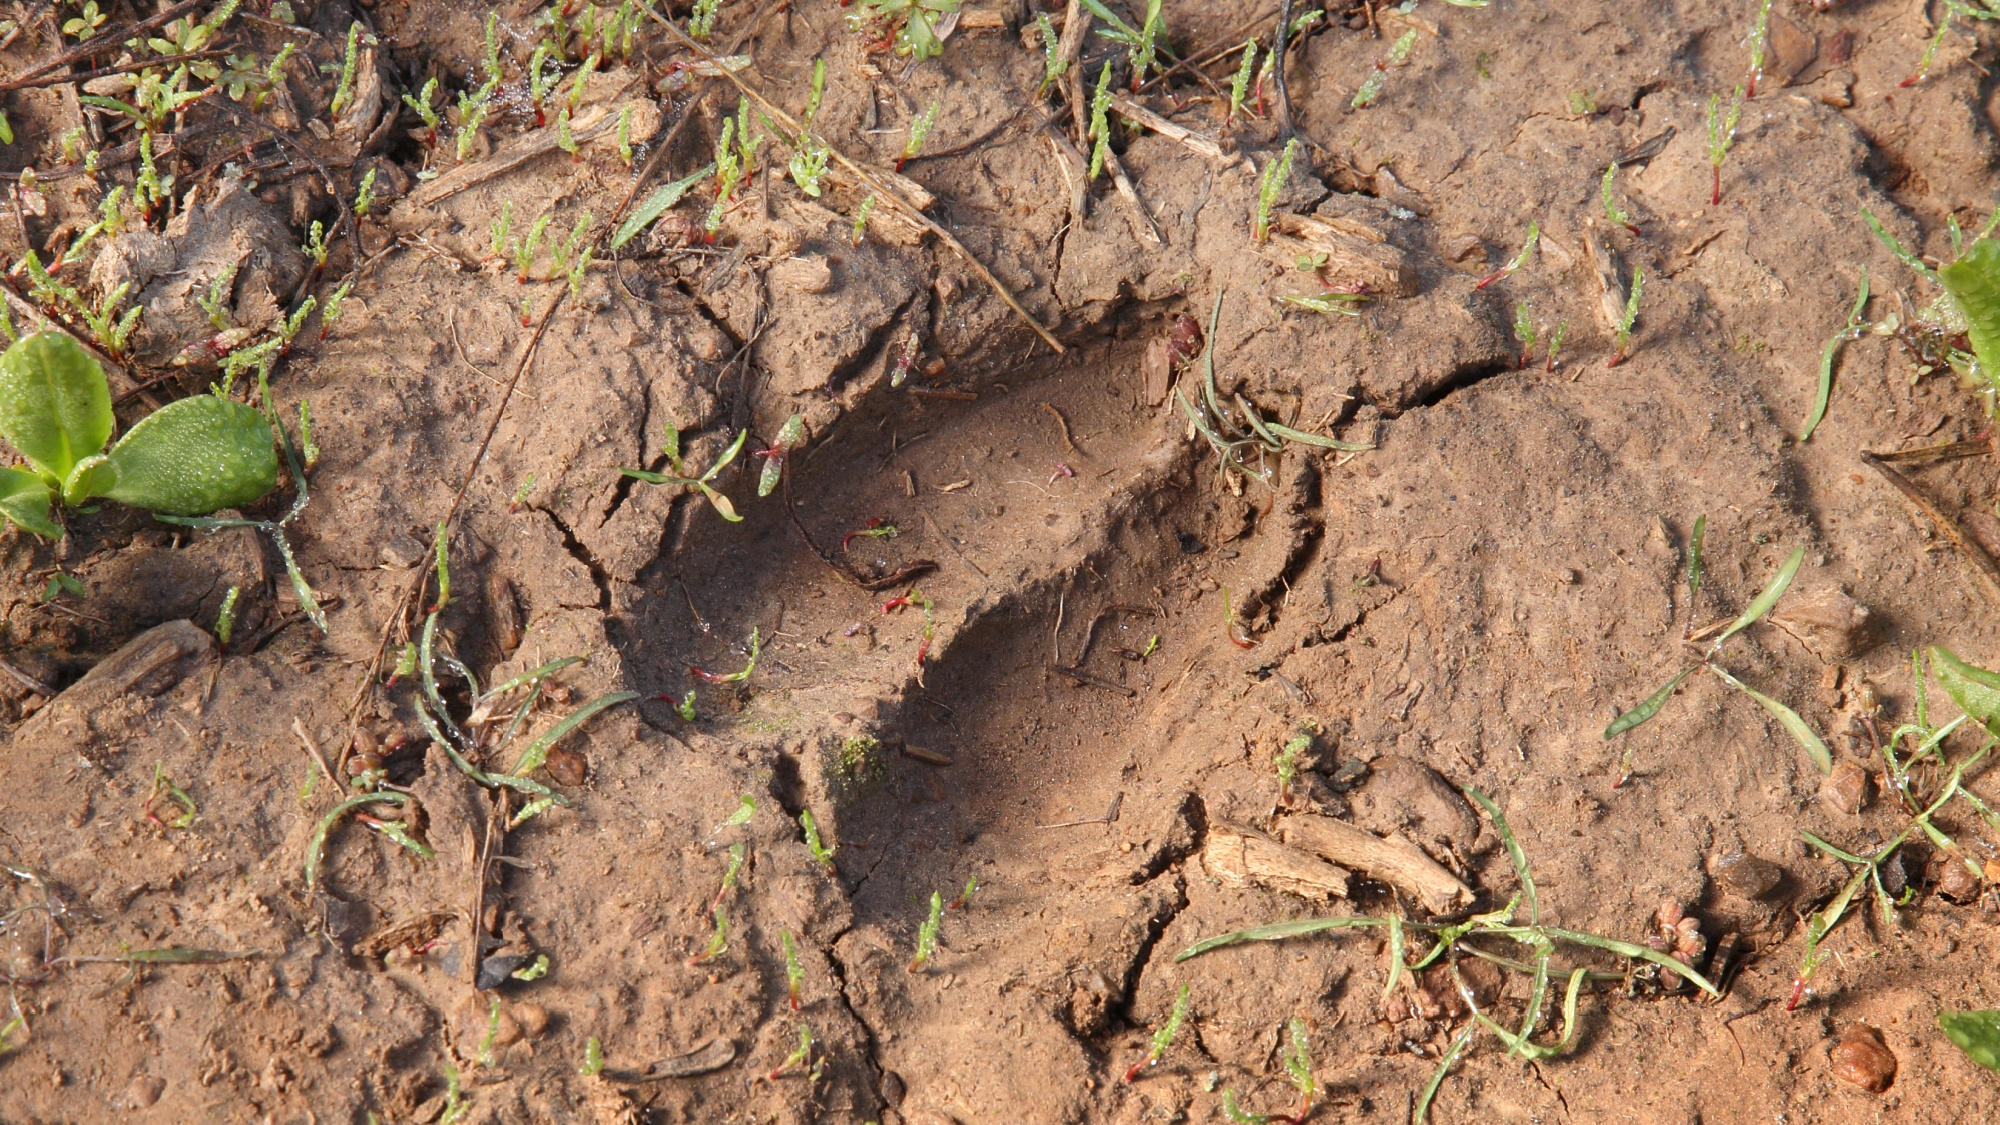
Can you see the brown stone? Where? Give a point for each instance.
(1846, 791)
(1863, 1059)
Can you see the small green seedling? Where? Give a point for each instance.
(682, 473)
(1239, 84)
(914, 23)
(731, 677)
(1760, 41)
(521, 494)
(795, 977)
(1142, 54)
(593, 1057)
(1371, 89)
(861, 214)
(1524, 330)
(225, 618)
(189, 457)
(13, 1027)
(821, 854)
(657, 204)
(1515, 263)
(343, 94)
(1612, 210)
(685, 708)
(1854, 329)
(1721, 136)
(920, 131)
(1287, 764)
(1631, 314)
(1100, 122)
(1054, 66)
(799, 1057)
(565, 140)
(791, 436)
(533, 972)
(1556, 343)
(964, 898)
(1277, 174)
(421, 103)
(718, 941)
(809, 153)
(1163, 1038)
(216, 302)
(164, 790)
(315, 246)
(927, 934)
(701, 21)
(60, 584)
(625, 133)
(1800, 731)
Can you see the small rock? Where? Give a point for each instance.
(1839, 47)
(144, 1090)
(1466, 248)
(1793, 48)
(1847, 790)
(533, 1019)
(1829, 622)
(568, 767)
(1862, 1058)
(1957, 883)
(1747, 875)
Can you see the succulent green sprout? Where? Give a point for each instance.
(274, 74)
(544, 71)
(406, 662)
(73, 144)
(307, 448)
(1515, 263)
(795, 976)
(149, 188)
(288, 328)
(1556, 343)
(1100, 124)
(331, 311)
(718, 941)
(1054, 66)
(1298, 1067)
(315, 245)
(577, 271)
(1287, 763)
(593, 1057)
(471, 115)
(1524, 329)
(1142, 55)
(1760, 38)
(728, 169)
(7, 324)
(1276, 175)
(800, 1056)
(216, 302)
(524, 254)
(225, 618)
(564, 140)
(581, 81)
(421, 103)
(502, 223)
(1371, 89)
(1612, 210)
(1239, 85)
(821, 854)
(1631, 314)
(441, 547)
(685, 708)
(920, 130)
(1164, 1037)
(927, 934)
(625, 133)
(343, 95)
(701, 22)
(1721, 136)
(861, 214)
(536, 971)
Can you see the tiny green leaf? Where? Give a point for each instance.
(657, 204)
(55, 406)
(1648, 709)
(1799, 729)
(1975, 1033)
(1975, 690)
(24, 500)
(1772, 592)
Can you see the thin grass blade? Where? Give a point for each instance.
(1647, 709)
(538, 750)
(1627, 949)
(1450, 1059)
(1798, 728)
(1278, 932)
(316, 844)
(532, 676)
(1774, 590)
(1514, 852)
(1290, 434)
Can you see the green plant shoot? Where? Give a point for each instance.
(1721, 136)
(1612, 210)
(927, 934)
(1239, 84)
(1631, 314)
(1100, 123)
(1163, 1038)
(1276, 175)
(1371, 89)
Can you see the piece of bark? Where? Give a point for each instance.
(1350, 254)
(1393, 860)
(1239, 857)
(149, 664)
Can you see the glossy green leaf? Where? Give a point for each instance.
(656, 204)
(92, 476)
(1974, 282)
(1975, 1033)
(1772, 592)
(1514, 853)
(1648, 709)
(195, 456)
(24, 500)
(1975, 690)
(538, 750)
(55, 406)
(1798, 728)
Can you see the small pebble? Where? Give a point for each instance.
(1862, 1058)
(1747, 875)
(1847, 790)
(568, 767)
(533, 1019)
(144, 1090)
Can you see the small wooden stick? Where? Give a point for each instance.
(1973, 552)
(312, 748)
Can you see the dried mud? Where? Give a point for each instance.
(1467, 604)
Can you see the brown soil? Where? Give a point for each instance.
(1469, 603)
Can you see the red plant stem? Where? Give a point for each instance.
(1230, 629)
(1910, 81)
(795, 998)
(1616, 359)
(1634, 228)
(1798, 993)
(1490, 280)
(704, 674)
(1133, 1074)
(1715, 192)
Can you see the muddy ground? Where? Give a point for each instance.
(1466, 604)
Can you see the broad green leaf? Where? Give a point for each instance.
(1772, 592)
(194, 456)
(92, 476)
(1975, 1033)
(1648, 709)
(1975, 690)
(1974, 282)
(656, 204)
(24, 500)
(54, 404)
(1798, 728)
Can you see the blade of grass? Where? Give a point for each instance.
(1278, 931)
(1798, 728)
(538, 751)
(1627, 949)
(1450, 1059)
(1395, 954)
(1826, 357)
(1694, 559)
(316, 844)
(1901, 252)
(1514, 852)
(1774, 590)
(1647, 709)
(1290, 434)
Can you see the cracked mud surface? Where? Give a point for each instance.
(1470, 601)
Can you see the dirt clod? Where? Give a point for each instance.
(144, 1090)
(1863, 1059)
(1847, 789)
(1748, 875)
